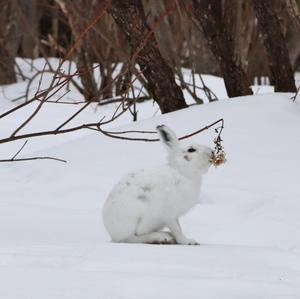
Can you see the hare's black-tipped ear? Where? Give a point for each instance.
(167, 137)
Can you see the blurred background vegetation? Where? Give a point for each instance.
(243, 41)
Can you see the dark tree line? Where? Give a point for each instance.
(220, 41)
(268, 22)
(238, 40)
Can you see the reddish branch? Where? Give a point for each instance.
(56, 83)
(59, 80)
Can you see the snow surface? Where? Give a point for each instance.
(53, 243)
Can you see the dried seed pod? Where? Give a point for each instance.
(218, 159)
(219, 156)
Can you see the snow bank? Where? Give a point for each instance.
(53, 243)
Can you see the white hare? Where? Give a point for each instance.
(145, 202)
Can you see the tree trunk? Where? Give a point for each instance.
(130, 18)
(275, 45)
(28, 19)
(8, 47)
(82, 58)
(208, 15)
(106, 79)
(289, 17)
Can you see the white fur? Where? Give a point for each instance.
(146, 201)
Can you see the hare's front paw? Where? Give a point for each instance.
(163, 238)
(186, 241)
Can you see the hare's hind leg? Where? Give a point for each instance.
(152, 238)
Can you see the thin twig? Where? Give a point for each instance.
(18, 98)
(40, 81)
(18, 152)
(294, 97)
(33, 158)
(13, 159)
(17, 108)
(211, 96)
(73, 116)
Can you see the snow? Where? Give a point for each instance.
(52, 240)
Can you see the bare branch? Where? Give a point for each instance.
(116, 134)
(13, 159)
(33, 158)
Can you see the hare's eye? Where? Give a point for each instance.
(191, 150)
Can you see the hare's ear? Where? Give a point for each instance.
(168, 137)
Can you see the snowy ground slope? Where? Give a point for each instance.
(53, 243)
